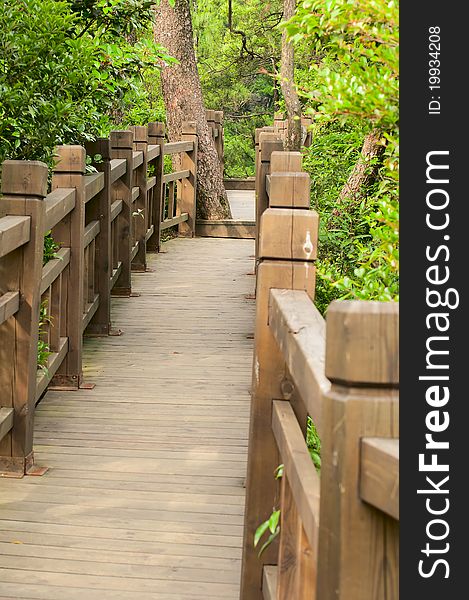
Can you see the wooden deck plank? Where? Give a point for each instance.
(242, 204)
(144, 496)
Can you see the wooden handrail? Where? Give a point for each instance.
(6, 421)
(103, 223)
(153, 152)
(58, 204)
(14, 232)
(176, 147)
(118, 168)
(52, 270)
(93, 185)
(137, 159)
(91, 231)
(304, 480)
(300, 332)
(176, 176)
(116, 209)
(9, 305)
(344, 376)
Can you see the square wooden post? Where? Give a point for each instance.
(69, 173)
(24, 187)
(140, 207)
(268, 142)
(220, 139)
(122, 147)
(156, 136)
(188, 199)
(358, 552)
(287, 252)
(99, 208)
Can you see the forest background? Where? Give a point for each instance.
(73, 70)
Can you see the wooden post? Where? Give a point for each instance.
(189, 185)
(308, 136)
(99, 208)
(279, 123)
(287, 250)
(220, 140)
(122, 147)
(69, 173)
(268, 142)
(140, 210)
(24, 187)
(296, 576)
(358, 544)
(156, 133)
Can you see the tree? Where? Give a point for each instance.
(354, 78)
(68, 72)
(287, 82)
(182, 94)
(365, 169)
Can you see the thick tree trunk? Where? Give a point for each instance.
(287, 82)
(182, 95)
(365, 169)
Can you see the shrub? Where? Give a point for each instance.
(49, 91)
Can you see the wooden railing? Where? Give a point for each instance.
(339, 528)
(215, 124)
(104, 224)
(281, 124)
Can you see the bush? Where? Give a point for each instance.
(354, 78)
(240, 145)
(49, 89)
(71, 71)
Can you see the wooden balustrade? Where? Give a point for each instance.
(104, 223)
(339, 528)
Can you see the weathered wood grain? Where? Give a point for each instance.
(269, 583)
(358, 545)
(176, 147)
(6, 421)
(9, 305)
(14, 232)
(379, 474)
(144, 496)
(304, 483)
(300, 332)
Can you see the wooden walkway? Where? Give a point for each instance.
(144, 496)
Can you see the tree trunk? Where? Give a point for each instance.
(365, 169)
(182, 93)
(287, 82)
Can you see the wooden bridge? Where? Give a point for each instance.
(136, 455)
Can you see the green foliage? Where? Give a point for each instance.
(47, 92)
(115, 17)
(313, 441)
(355, 44)
(240, 145)
(272, 526)
(50, 248)
(234, 70)
(43, 350)
(353, 81)
(69, 71)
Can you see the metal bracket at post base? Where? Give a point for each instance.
(17, 467)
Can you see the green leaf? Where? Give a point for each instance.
(270, 539)
(263, 527)
(273, 520)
